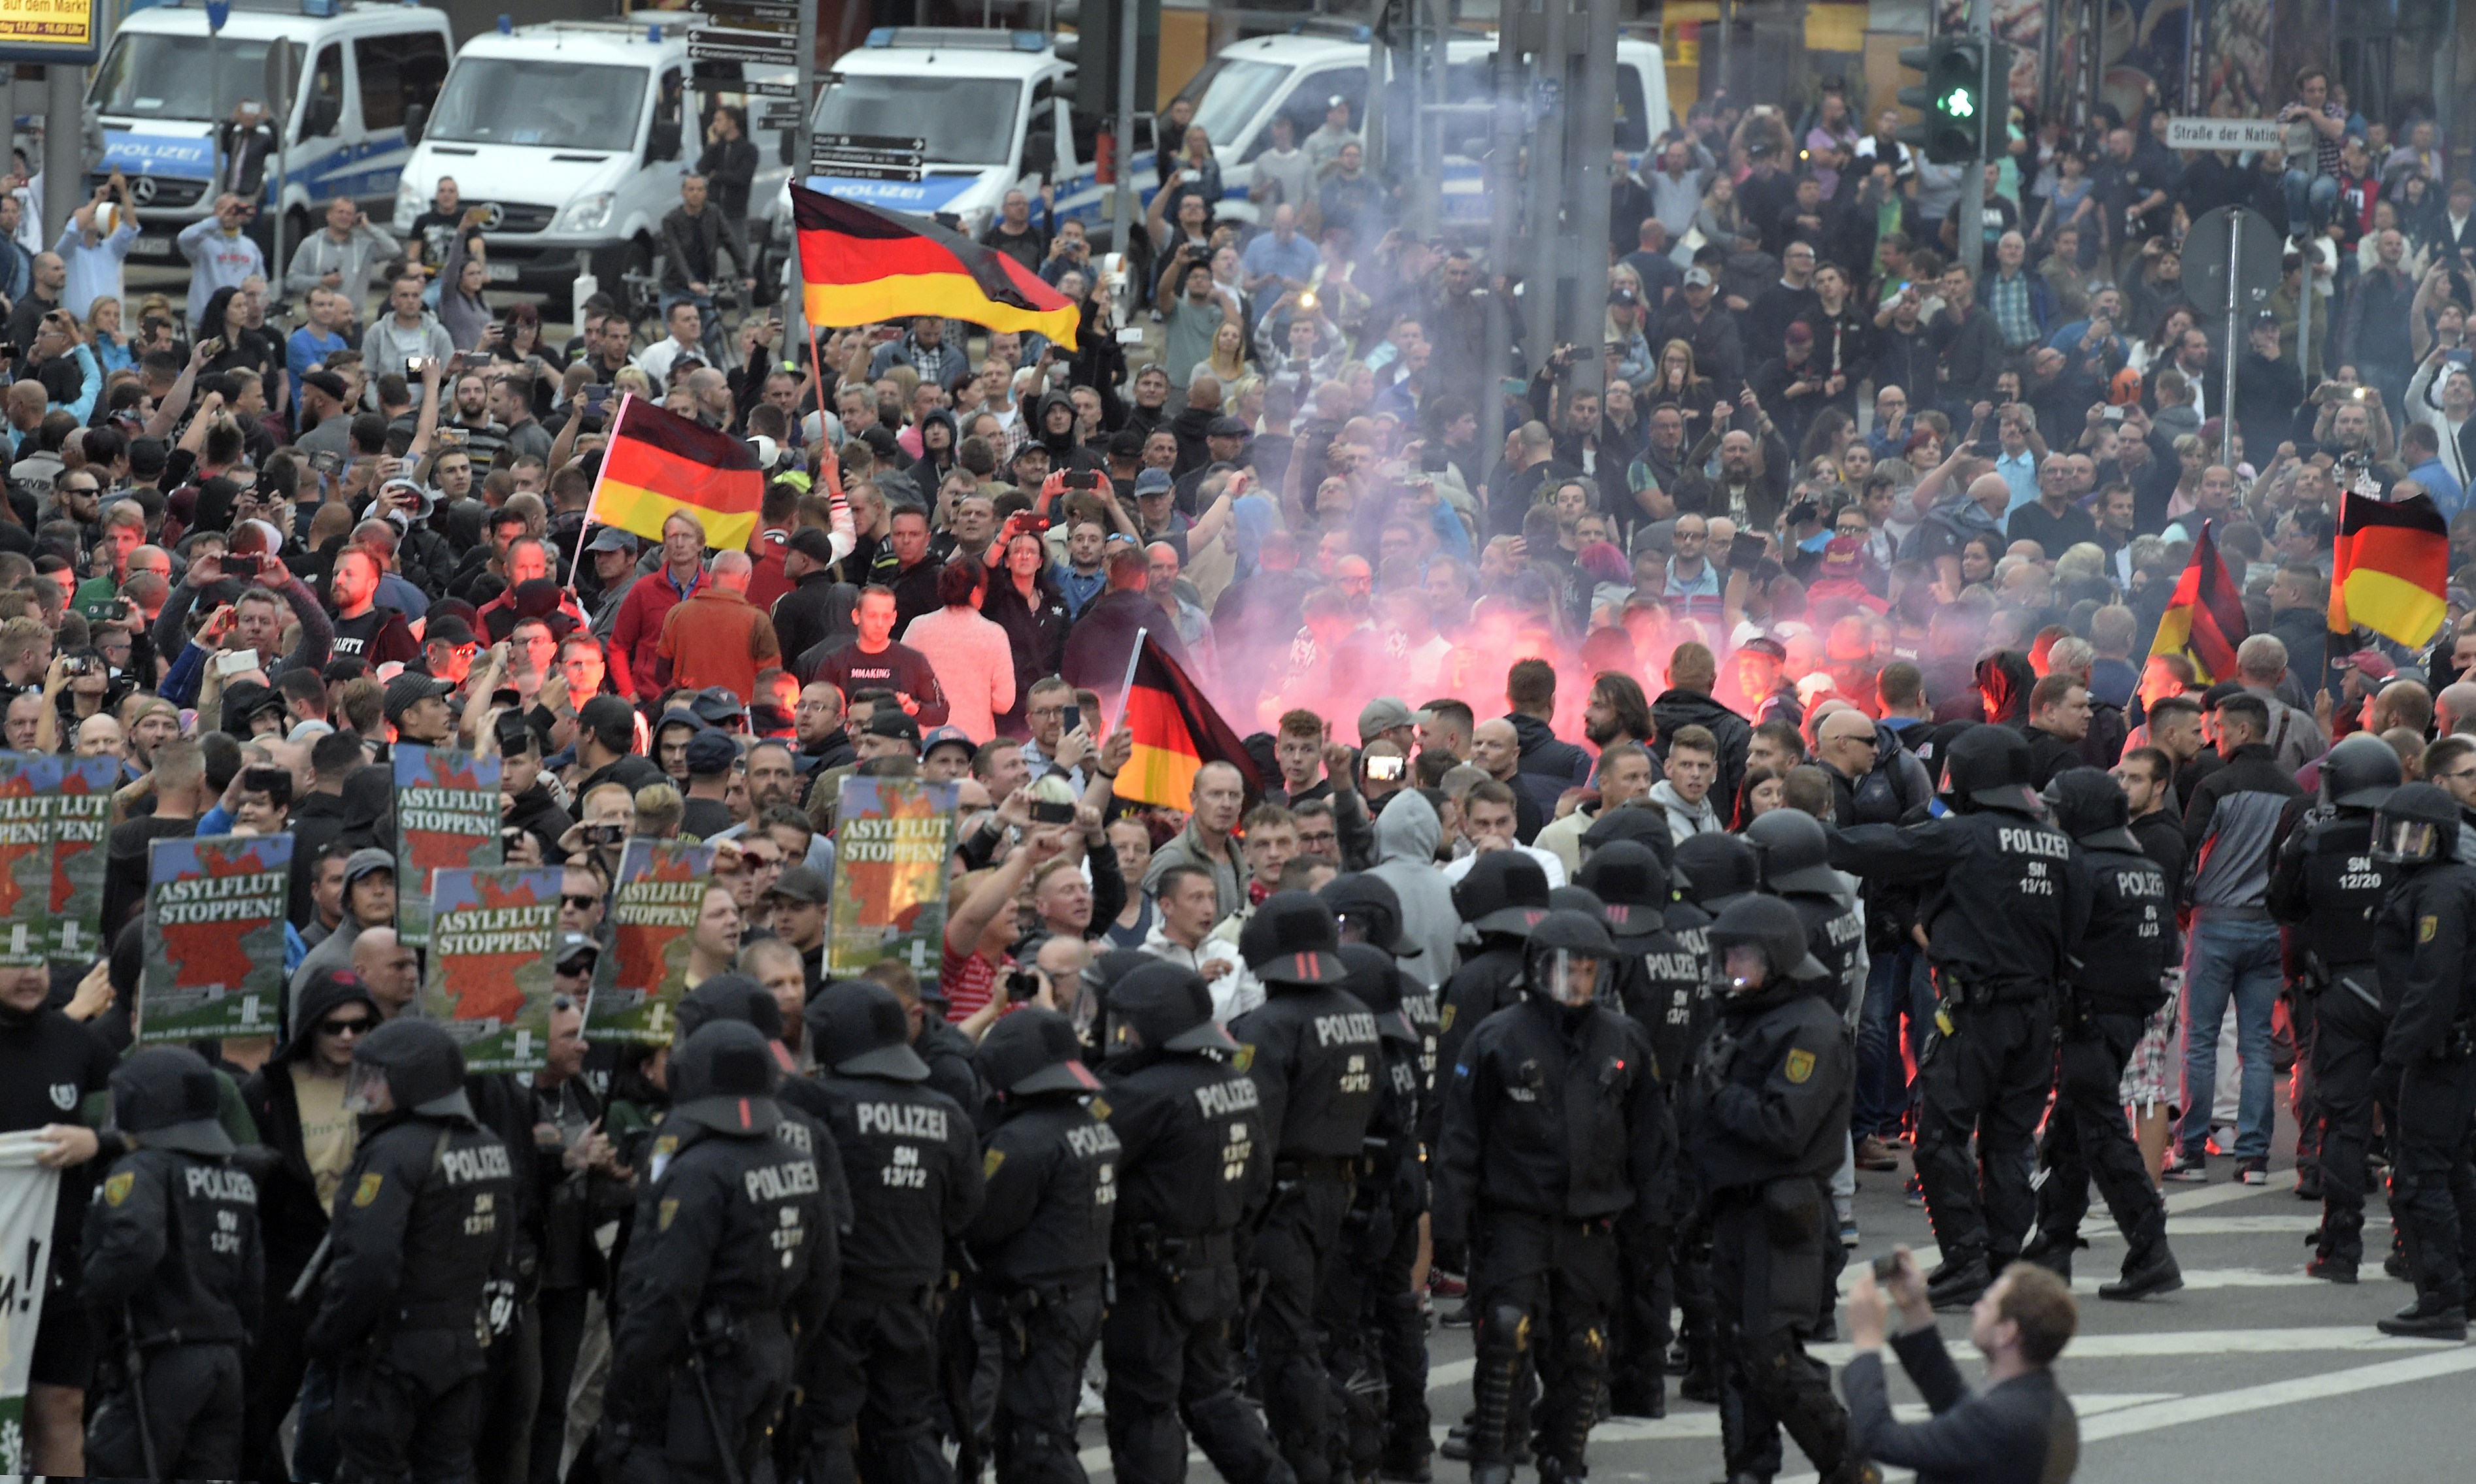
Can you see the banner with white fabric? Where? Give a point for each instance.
(28, 1192)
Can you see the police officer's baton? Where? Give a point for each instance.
(138, 1394)
(722, 1445)
(309, 1273)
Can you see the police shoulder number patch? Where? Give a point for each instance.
(2426, 927)
(1800, 1065)
(1446, 1024)
(989, 1163)
(116, 1189)
(368, 1190)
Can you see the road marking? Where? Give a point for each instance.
(1704, 1422)
(2202, 1199)
(2202, 1341)
(2222, 1277)
(2278, 1394)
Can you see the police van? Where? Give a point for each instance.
(1249, 84)
(169, 81)
(573, 135)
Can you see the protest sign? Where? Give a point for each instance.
(26, 799)
(214, 938)
(653, 914)
(81, 818)
(892, 840)
(491, 935)
(27, 1196)
(446, 815)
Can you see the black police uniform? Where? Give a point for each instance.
(2117, 985)
(2011, 899)
(734, 1246)
(419, 1231)
(1041, 1241)
(2326, 886)
(1194, 1156)
(2424, 943)
(1504, 894)
(914, 1163)
(1765, 1123)
(1796, 867)
(1554, 1130)
(171, 1261)
(1315, 1055)
(1375, 1336)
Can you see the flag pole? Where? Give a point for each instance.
(1134, 657)
(576, 558)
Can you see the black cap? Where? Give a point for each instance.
(858, 1028)
(723, 1079)
(711, 754)
(1225, 428)
(1034, 1051)
(802, 883)
(716, 706)
(894, 722)
(448, 630)
(1293, 939)
(814, 544)
(406, 691)
(1162, 1007)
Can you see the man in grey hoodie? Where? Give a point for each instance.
(1406, 835)
(1692, 764)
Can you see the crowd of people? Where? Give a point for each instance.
(1777, 697)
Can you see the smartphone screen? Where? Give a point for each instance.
(1745, 549)
(1073, 717)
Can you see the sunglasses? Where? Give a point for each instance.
(347, 1028)
(581, 903)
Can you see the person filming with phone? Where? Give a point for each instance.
(2019, 1426)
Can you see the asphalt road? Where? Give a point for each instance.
(2252, 1374)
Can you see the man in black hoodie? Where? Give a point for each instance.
(1548, 767)
(1692, 675)
(1054, 416)
(297, 1099)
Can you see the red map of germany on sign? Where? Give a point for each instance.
(212, 953)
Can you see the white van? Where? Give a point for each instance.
(992, 106)
(358, 68)
(1250, 83)
(574, 136)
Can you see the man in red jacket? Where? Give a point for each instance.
(638, 632)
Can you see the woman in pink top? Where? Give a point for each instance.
(974, 660)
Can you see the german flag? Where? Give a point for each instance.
(1177, 732)
(861, 265)
(2205, 620)
(658, 464)
(2392, 565)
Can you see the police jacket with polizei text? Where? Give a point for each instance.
(2011, 898)
(2124, 953)
(1314, 1053)
(735, 1223)
(1487, 980)
(173, 1236)
(914, 1163)
(2326, 887)
(1553, 1114)
(1770, 1093)
(1052, 1171)
(1835, 934)
(1391, 1171)
(803, 1127)
(420, 1225)
(1659, 980)
(1194, 1156)
(2424, 949)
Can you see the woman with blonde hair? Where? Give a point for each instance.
(1228, 362)
(1676, 384)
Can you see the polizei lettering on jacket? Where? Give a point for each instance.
(902, 1121)
(220, 1185)
(1096, 1139)
(782, 1181)
(484, 1162)
(2033, 842)
(1220, 1099)
(1356, 1029)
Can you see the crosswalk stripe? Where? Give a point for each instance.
(2202, 1341)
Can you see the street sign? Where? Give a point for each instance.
(778, 114)
(2255, 261)
(880, 143)
(733, 13)
(762, 48)
(853, 170)
(2230, 133)
(763, 24)
(789, 91)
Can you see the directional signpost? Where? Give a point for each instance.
(867, 157)
(756, 33)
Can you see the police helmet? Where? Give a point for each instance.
(730, 997)
(1772, 925)
(417, 1063)
(1644, 823)
(1632, 887)
(1376, 981)
(1989, 766)
(1567, 957)
(1034, 1051)
(1162, 1008)
(2360, 772)
(858, 1028)
(2417, 824)
(2090, 805)
(722, 1077)
(1367, 909)
(1718, 868)
(1796, 853)
(1293, 939)
(1504, 892)
(1577, 899)
(166, 1097)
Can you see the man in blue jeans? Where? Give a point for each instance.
(2312, 180)
(2231, 832)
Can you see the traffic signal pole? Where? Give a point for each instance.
(1968, 239)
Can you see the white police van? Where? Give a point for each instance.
(1249, 84)
(574, 136)
(359, 70)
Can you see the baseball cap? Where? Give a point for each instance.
(1153, 481)
(802, 883)
(1225, 428)
(711, 754)
(940, 736)
(1697, 278)
(716, 706)
(1386, 713)
(361, 862)
(574, 946)
(610, 539)
(894, 722)
(1839, 557)
(328, 381)
(814, 544)
(2370, 663)
(449, 630)
(405, 691)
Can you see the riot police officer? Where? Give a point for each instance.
(1369, 1309)
(171, 1259)
(1713, 872)
(912, 1158)
(734, 1244)
(2424, 944)
(1658, 981)
(2327, 887)
(1554, 1130)
(1797, 868)
(2106, 1006)
(1369, 911)
(2008, 903)
(1765, 1122)
(419, 1231)
(1041, 1241)
(800, 1101)
(1500, 899)
(1314, 1053)
(1192, 1155)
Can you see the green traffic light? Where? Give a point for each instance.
(1957, 104)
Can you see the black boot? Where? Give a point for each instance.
(2331, 1266)
(2054, 1252)
(1956, 1285)
(2147, 1271)
(2428, 1318)
(1406, 1458)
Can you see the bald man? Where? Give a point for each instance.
(716, 637)
(2455, 708)
(1496, 747)
(99, 736)
(1957, 519)
(387, 965)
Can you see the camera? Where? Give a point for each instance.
(77, 664)
(1022, 984)
(604, 835)
(1384, 770)
(243, 567)
(1887, 1267)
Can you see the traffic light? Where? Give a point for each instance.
(1962, 115)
